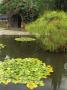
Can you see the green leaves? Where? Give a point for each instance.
(29, 9)
(25, 39)
(28, 71)
(52, 30)
(2, 46)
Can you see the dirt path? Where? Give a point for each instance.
(12, 32)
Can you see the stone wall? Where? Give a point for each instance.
(5, 24)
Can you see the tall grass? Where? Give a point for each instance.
(51, 30)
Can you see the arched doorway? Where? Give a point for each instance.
(16, 21)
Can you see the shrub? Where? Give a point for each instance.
(28, 71)
(50, 29)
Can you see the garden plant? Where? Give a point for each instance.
(51, 30)
(25, 39)
(2, 46)
(28, 71)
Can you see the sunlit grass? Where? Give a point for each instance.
(52, 30)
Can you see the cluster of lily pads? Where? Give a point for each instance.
(28, 71)
(25, 39)
(2, 46)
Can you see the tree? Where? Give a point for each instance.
(61, 4)
(29, 10)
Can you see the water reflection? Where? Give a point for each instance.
(58, 64)
(13, 49)
(57, 61)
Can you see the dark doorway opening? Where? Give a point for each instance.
(16, 21)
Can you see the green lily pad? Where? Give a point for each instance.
(2, 46)
(25, 39)
(28, 71)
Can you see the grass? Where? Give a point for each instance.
(51, 30)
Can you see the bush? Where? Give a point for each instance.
(51, 30)
(28, 71)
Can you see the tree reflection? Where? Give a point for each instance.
(58, 63)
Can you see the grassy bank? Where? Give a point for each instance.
(51, 30)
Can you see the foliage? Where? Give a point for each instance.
(2, 46)
(25, 39)
(60, 4)
(55, 4)
(51, 30)
(29, 9)
(28, 71)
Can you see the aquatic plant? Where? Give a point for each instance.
(28, 71)
(25, 39)
(51, 30)
(2, 46)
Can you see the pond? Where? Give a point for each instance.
(14, 49)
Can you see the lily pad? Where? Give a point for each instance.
(2, 46)
(25, 39)
(28, 71)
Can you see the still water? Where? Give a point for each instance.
(14, 49)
